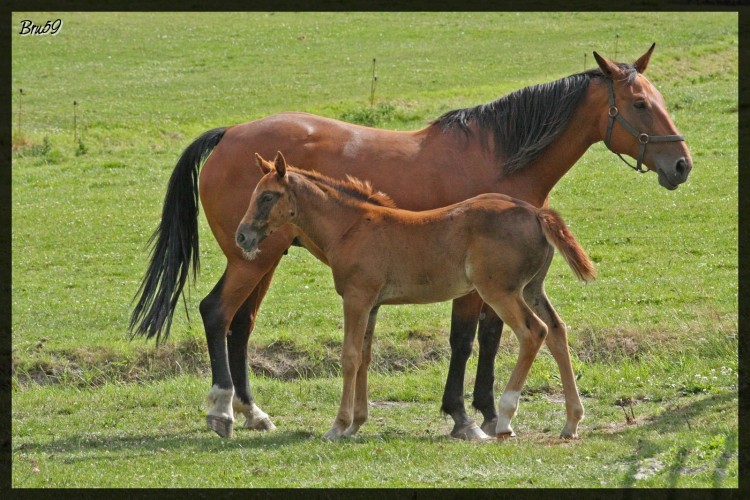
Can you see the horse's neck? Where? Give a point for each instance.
(322, 218)
(534, 182)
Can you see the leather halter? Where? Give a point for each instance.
(643, 138)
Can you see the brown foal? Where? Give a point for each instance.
(492, 243)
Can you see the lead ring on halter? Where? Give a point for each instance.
(643, 138)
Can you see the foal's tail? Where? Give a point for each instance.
(174, 244)
(558, 234)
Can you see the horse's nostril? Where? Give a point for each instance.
(682, 167)
(240, 238)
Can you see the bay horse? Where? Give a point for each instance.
(493, 244)
(521, 144)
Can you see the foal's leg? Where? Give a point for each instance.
(356, 314)
(557, 343)
(361, 390)
(531, 332)
(240, 330)
(490, 329)
(463, 328)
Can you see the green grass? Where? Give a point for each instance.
(151, 436)
(658, 328)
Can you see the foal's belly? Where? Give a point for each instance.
(424, 289)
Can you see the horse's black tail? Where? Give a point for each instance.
(174, 244)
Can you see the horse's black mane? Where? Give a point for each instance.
(526, 121)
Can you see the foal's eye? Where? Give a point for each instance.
(267, 197)
(640, 105)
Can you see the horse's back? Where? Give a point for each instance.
(310, 141)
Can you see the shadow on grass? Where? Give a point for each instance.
(161, 442)
(80, 448)
(671, 421)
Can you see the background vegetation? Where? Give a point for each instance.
(654, 339)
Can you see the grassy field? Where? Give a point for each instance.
(654, 338)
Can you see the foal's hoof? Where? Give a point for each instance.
(470, 432)
(333, 434)
(222, 426)
(263, 424)
(502, 436)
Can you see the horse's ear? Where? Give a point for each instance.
(280, 164)
(642, 61)
(610, 69)
(264, 166)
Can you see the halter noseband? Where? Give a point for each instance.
(643, 138)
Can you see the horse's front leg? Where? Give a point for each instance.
(356, 313)
(361, 409)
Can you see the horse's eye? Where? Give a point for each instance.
(640, 105)
(267, 197)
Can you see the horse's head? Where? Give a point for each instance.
(637, 122)
(270, 206)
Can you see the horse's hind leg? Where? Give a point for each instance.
(489, 331)
(239, 333)
(557, 342)
(220, 416)
(531, 332)
(463, 328)
(218, 309)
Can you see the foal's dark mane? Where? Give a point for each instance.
(526, 121)
(347, 190)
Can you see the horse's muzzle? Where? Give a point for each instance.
(672, 179)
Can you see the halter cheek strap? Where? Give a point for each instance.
(643, 138)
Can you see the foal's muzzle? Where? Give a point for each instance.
(248, 238)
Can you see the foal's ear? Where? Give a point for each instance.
(610, 69)
(264, 166)
(280, 164)
(642, 61)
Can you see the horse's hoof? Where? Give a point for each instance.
(489, 426)
(351, 431)
(470, 432)
(222, 426)
(568, 436)
(332, 435)
(502, 436)
(264, 424)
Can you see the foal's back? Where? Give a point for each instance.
(437, 255)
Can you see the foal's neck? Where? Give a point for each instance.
(324, 217)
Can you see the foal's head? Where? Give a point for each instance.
(271, 206)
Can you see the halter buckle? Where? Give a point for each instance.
(643, 138)
(613, 111)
